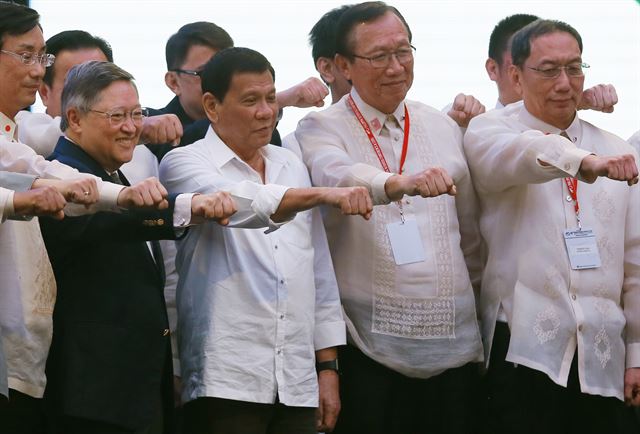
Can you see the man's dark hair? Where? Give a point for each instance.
(521, 43)
(219, 71)
(322, 36)
(361, 13)
(84, 84)
(503, 31)
(198, 33)
(16, 20)
(73, 40)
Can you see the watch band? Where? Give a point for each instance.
(327, 365)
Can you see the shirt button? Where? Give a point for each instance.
(408, 202)
(567, 166)
(396, 138)
(281, 316)
(282, 281)
(573, 296)
(279, 352)
(275, 247)
(165, 332)
(580, 328)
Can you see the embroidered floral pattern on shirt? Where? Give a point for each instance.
(606, 250)
(547, 325)
(603, 207)
(553, 280)
(602, 347)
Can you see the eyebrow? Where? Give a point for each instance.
(30, 47)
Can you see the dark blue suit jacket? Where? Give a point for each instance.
(110, 359)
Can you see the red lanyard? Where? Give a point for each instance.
(374, 142)
(572, 186)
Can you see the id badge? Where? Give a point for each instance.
(582, 248)
(406, 242)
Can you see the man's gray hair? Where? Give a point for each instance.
(84, 84)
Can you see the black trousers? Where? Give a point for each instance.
(22, 414)
(524, 400)
(378, 400)
(225, 416)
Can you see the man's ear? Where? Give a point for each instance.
(171, 80)
(211, 105)
(515, 74)
(492, 68)
(74, 120)
(324, 66)
(344, 66)
(45, 92)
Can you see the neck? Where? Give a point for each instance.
(9, 112)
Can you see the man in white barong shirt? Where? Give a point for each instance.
(574, 328)
(413, 334)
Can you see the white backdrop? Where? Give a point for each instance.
(451, 39)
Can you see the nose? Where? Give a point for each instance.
(37, 70)
(563, 81)
(394, 67)
(264, 110)
(128, 125)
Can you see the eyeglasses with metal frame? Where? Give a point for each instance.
(118, 117)
(191, 72)
(29, 58)
(572, 70)
(403, 56)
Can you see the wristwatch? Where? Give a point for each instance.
(327, 365)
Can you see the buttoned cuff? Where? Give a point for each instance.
(567, 160)
(182, 210)
(330, 334)
(633, 355)
(378, 192)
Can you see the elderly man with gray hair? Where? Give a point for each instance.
(109, 366)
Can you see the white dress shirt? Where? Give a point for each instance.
(551, 308)
(634, 141)
(253, 306)
(418, 319)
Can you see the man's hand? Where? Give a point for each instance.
(350, 200)
(429, 183)
(309, 93)
(161, 129)
(148, 193)
(329, 407)
(619, 168)
(43, 201)
(632, 386)
(217, 206)
(465, 108)
(83, 191)
(601, 98)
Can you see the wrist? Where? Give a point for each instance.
(327, 366)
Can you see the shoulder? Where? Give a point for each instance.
(612, 143)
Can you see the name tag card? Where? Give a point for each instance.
(406, 242)
(582, 248)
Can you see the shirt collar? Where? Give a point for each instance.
(221, 155)
(574, 131)
(8, 127)
(499, 105)
(374, 117)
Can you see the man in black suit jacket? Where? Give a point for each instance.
(109, 367)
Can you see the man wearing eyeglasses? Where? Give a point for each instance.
(109, 367)
(563, 248)
(405, 277)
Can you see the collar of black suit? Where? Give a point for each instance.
(73, 155)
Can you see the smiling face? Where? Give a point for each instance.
(382, 88)
(245, 119)
(552, 100)
(19, 82)
(111, 146)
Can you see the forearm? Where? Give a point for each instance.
(299, 199)
(326, 354)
